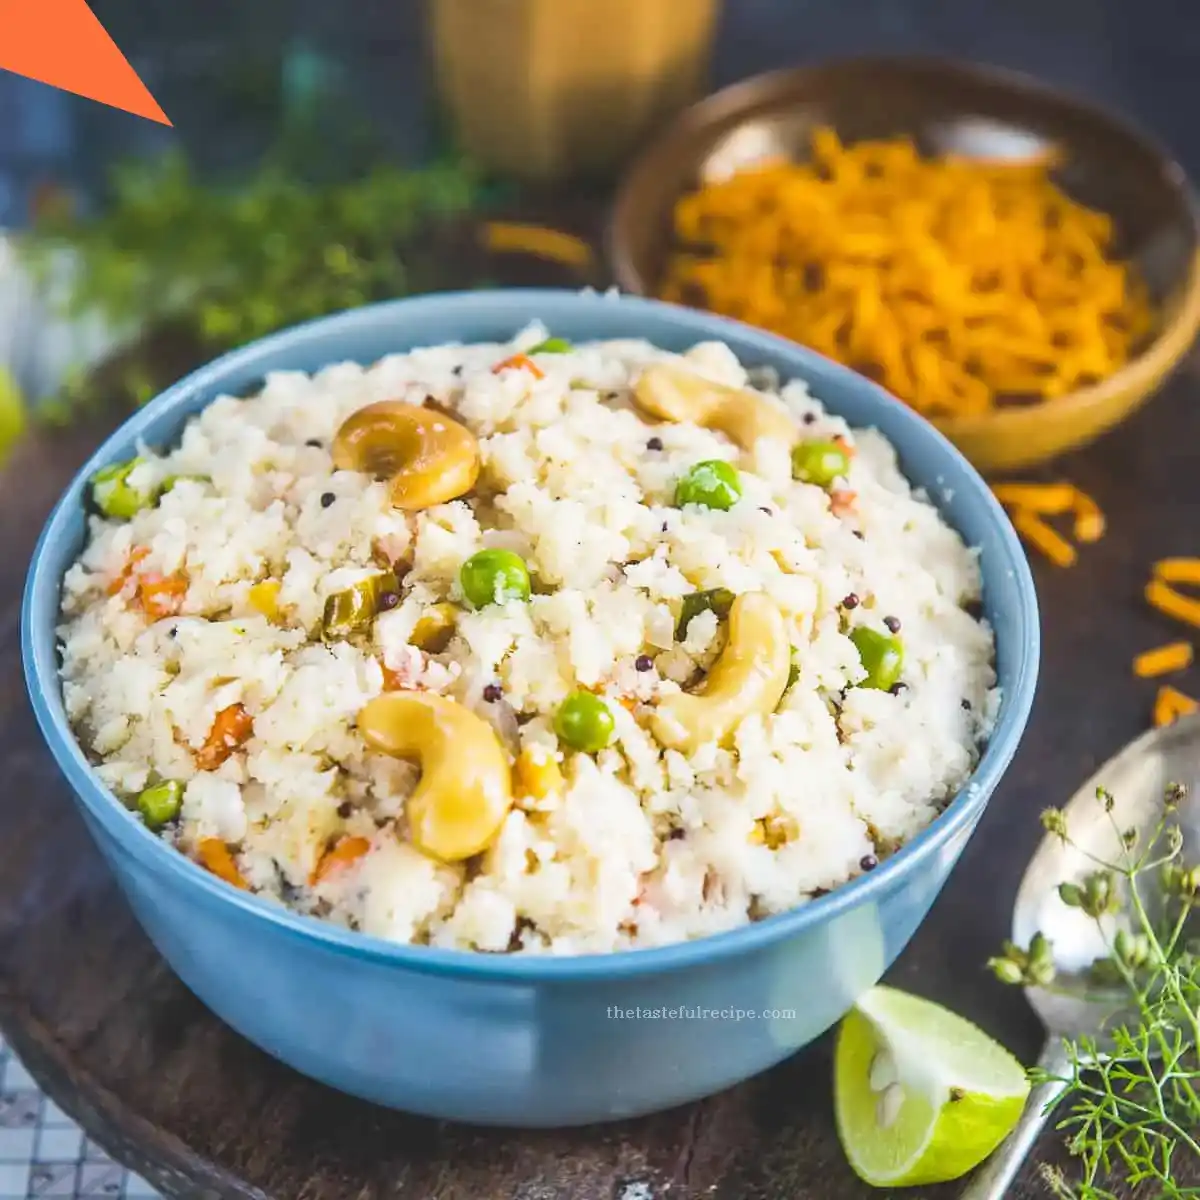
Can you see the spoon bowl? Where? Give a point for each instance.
(1076, 1007)
(1135, 779)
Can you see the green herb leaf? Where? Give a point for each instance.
(225, 266)
(1132, 1116)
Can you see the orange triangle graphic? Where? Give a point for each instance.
(60, 42)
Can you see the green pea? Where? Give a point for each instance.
(353, 609)
(819, 462)
(584, 722)
(552, 346)
(494, 576)
(717, 600)
(172, 480)
(713, 484)
(159, 804)
(882, 657)
(115, 496)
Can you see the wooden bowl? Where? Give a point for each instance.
(946, 106)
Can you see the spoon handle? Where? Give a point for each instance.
(992, 1179)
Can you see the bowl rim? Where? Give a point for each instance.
(1170, 341)
(42, 590)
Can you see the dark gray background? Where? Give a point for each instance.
(228, 72)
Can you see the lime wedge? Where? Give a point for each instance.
(921, 1095)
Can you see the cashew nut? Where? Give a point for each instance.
(465, 789)
(429, 457)
(674, 394)
(749, 677)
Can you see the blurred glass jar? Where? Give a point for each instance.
(553, 89)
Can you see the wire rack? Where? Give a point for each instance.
(44, 1154)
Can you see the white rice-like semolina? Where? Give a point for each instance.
(642, 846)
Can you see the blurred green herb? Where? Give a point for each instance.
(12, 412)
(222, 267)
(1132, 1116)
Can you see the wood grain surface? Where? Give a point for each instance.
(162, 1085)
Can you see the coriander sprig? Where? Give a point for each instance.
(1133, 1103)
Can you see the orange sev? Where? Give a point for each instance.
(1170, 704)
(1173, 603)
(1029, 503)
(1089, 520)
(1049, 498)
(1178, 570)
(1162, 660)
(960, 284)
(553, 245)
(1043, 537)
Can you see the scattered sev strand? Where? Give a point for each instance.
(1170, 704)
(1161, 593)
(1029, 504)
(1163, 660)
(1173, 603)
(1043, 537)
(1089, 520)
(505, 237)
(1178, 570)
(1050, 499)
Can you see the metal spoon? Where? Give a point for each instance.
(1136, 779)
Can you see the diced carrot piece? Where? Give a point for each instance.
(520, 362)
(215, 857)
(161, 595)
(347, 850)
(119, 581)
(231, 728)
(841, 502)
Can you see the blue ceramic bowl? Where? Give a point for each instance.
(511, 1040)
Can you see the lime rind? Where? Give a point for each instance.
(921, 1095)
